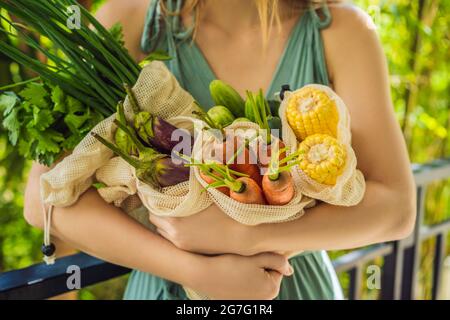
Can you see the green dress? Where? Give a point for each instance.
(302, 62)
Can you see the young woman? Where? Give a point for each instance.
(251, 45)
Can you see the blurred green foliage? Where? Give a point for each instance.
(416, 41)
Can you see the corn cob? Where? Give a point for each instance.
(322, 158)
(311, 111)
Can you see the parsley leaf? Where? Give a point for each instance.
(36, 94)
(8, 100)
(42, 119)
(74, 122)
(117, 33)
(13, 125)
(58, 98)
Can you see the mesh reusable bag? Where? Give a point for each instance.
(350, 185)
(157, 91)
(119, 185)
(251, 214)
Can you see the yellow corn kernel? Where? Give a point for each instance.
(311, 111)
(322, 158)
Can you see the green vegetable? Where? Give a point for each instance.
(99, 185)
(257, 110)
(44, 122)
(224, 95)
(155, 56)
(221, 116)
(275, 124)
(249, 114)
(241, 119)
(122, 139)
(89, 62)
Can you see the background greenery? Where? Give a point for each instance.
(416, 41)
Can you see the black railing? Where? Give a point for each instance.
(399, 270)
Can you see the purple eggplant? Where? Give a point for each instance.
(160, 134)
(152, 167)
(157, 132)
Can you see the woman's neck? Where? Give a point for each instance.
(242, 13)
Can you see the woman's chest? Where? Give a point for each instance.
(244, 60)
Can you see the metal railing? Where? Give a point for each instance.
(399, 270)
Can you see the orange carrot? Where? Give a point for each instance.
(210, 180)
(264, 151)
(243, 162)
(277, 184)
(242, 189)
(247, 191)
(279, 191)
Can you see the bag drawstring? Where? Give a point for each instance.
(48, 248)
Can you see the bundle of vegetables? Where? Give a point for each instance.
(243, 164)
(134, 152)
(318, 124)
(255, 159)
(87, 62)
(320, 164)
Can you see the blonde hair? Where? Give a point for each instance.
(268, 11)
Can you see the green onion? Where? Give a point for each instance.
(96, 64)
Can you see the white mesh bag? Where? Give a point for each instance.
(350, 185)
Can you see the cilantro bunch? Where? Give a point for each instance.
(44, 122)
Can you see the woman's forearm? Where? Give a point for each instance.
(383, 215)
(104, 231)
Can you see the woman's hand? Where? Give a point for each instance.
(208, 232)
(235, 277)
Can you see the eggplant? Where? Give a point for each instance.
(157, 132)
(152, 167)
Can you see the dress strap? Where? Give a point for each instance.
(165, 31)
(152, 27)
(321, 16)
(160, 28)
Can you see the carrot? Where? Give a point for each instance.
(264, 151)
(280, 191)
(242, 189)
(277, 184)
(246, 190)
(241, 160)
(210, 180)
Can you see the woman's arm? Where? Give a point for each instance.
(387, 212)
(106, 232)
(131, 15)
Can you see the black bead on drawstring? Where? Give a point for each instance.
(48, 250)
(284, 88)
